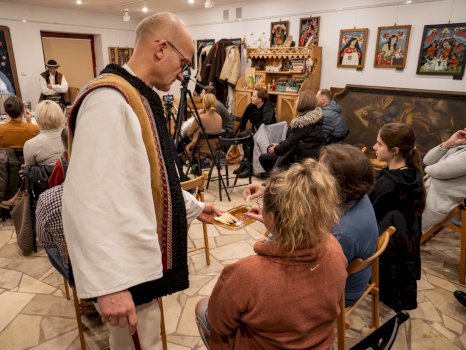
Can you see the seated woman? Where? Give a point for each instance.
(357, 230)
(304, 137)
(445, 178)
(398, 199)
(46, 148)
(212, 122)
(287, 295)
(17, 131)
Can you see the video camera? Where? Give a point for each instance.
(167, 98)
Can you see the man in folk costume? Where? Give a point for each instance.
(125, 216)
(53, 85)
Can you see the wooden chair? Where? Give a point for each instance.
(445, 223)
(197, 184)
(372, 288)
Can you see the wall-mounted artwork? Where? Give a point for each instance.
(279, 32)
(309, 31)
(8, 77)
(443, 49)
(352, 47)
(392, 47)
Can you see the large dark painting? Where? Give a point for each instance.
(8, 77)
(434, 115)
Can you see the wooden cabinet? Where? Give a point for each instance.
(281, 64)
(119, 55)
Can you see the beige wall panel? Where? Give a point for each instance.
(74, 57)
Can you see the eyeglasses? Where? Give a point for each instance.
(187, 62)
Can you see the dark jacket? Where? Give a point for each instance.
(333, 121)
(304, 137)
(394, 199)
(212, 66)
(257, 116)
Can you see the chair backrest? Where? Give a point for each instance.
(222, 141)
(383, 337)
(360, 264)
(196, 183)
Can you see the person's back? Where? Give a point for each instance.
(46, 148)
(357, 233)
(227, 123)
(333, 124)
(16, 132)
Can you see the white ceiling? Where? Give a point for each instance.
(117, 6)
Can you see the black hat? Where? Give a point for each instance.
(52, 63)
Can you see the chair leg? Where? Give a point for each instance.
(77, 310)
(67, 291)
(462, 248)
(341, 324)
(162, 326)
(206, 244)
(375, 295)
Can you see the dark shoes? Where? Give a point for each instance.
(240, 169)
(461, 297)
(244, 174)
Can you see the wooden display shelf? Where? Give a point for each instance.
(284, 52)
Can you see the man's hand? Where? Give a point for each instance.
(271, 148)
(456, 139)
(49, 86)
(118, 310)
(27, 115)
(255, 213)
(253, 191)
(209, 213)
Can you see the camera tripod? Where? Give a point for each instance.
(182, 109)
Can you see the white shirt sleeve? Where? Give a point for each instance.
(108, 212)
(193, 206)
(61, 88)
(43, 87)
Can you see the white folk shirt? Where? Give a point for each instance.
(56, 88)
(108, 212)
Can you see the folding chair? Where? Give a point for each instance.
(225, 143)
(383, 337)
(372, 288)
(445, 223)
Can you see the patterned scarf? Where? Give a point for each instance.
(168, 198)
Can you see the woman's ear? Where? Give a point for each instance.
(395, 151)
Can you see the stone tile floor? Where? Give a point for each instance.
(34, 314)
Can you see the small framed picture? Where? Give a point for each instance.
(443, 50)
(9, 83)
(352, 48)
(392, 47)
(309, 31)
(278, 33)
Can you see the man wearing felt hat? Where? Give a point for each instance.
(53, 85)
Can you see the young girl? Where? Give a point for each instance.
(398, 199)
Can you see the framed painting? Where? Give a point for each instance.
(443, 49)
(309, 31)
(278, 33)
(9, 83)
(352, 48)
(392, 47)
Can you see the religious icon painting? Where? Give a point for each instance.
(352, 48)
(443, 50)
(392, 47)
(278, 33)
(309, 31)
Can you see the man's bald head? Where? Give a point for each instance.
(161, 25)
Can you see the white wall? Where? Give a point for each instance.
(257, 15)
(108, 31)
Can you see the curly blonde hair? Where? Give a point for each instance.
(303, 200)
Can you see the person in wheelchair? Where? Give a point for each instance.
(304, 137)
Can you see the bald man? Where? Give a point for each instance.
(125, 216)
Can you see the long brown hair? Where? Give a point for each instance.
(402, 135)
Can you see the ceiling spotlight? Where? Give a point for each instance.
(144, 9)
(126, 16)
(79, 2)
(191, 1)
(208, 4)
(408, 1)
(23, 20)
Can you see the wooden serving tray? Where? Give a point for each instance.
(237, 212)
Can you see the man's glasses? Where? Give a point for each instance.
(185, 60)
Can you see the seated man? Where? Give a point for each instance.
(445, 178)
(357, 230)
(334, 127)
(259, 111)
